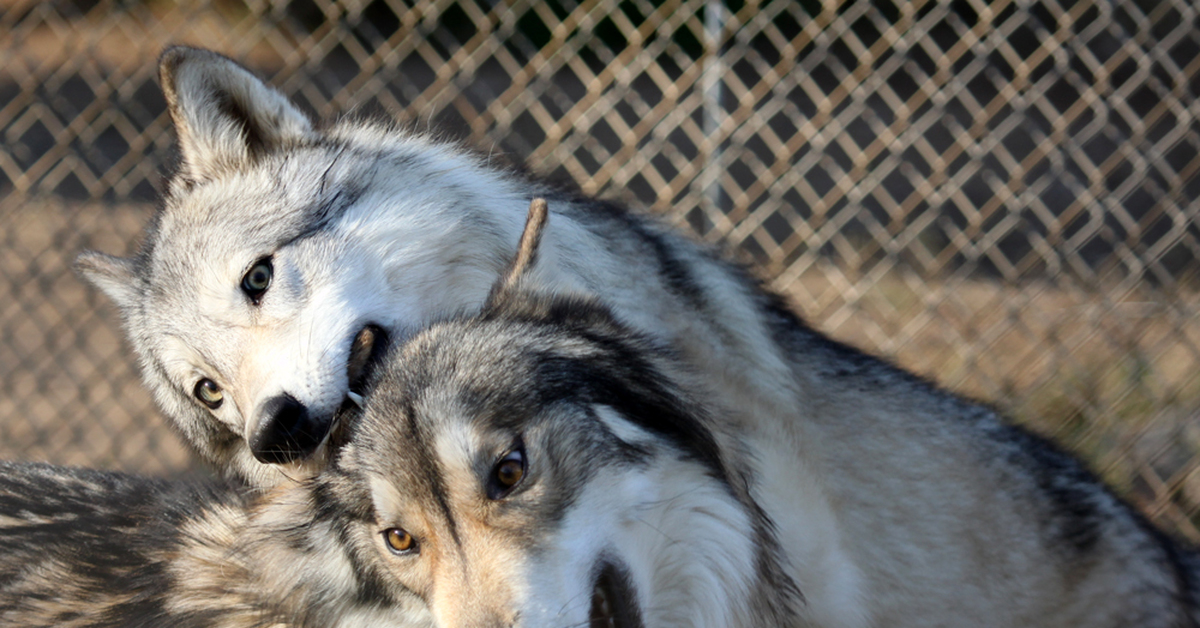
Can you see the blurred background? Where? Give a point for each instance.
(1001, 196)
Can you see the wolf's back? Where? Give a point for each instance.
(1011, 529)
(92, 549)
(87, 548)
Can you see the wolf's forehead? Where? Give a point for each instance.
(405, 462)
(212, 233)
(253, 200)
(479, 368)
(443, 386)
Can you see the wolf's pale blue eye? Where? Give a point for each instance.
(399, 540)
(258, 279)
(209, 393)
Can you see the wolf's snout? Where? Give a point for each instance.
(286, 431)
(365, 351)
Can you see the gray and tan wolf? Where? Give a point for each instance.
(286, 256)
(542, 464)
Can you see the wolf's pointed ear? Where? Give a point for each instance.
(114, 276)
(527, 250)
(223, 114)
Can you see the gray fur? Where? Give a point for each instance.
(593, 407)
(881, 499)
(92, 549)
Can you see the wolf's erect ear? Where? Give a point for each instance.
(224, 115)
(527, 250)
(115, 276)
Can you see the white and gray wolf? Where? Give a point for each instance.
(286, 255)
(97, 549)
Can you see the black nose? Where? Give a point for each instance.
(286, 431)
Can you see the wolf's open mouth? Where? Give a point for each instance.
(366, 350)
(613, 602)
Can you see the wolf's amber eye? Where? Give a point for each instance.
(399, 540)
(507, 473)
(258, 279)
(209, 393)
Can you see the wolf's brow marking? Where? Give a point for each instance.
(325, 174)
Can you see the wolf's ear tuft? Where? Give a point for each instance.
(114, 276)
(527, 250)
(223, 114)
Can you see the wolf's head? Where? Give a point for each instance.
(536, 466)
(285, 256)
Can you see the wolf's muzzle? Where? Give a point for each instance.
(287, 431)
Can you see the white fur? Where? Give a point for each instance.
(895, 504)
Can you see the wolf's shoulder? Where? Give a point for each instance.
(38, 496)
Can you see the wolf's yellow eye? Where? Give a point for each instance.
(399, 540)
(209, 393)
(507, 473)
(256, 280)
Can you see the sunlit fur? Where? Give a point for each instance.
(893, 502)
(624, 469)
(93, 549)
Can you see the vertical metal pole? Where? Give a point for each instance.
(714, 22)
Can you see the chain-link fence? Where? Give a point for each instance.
(1000, 195)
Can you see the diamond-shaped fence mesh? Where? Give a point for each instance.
(1003, 196)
